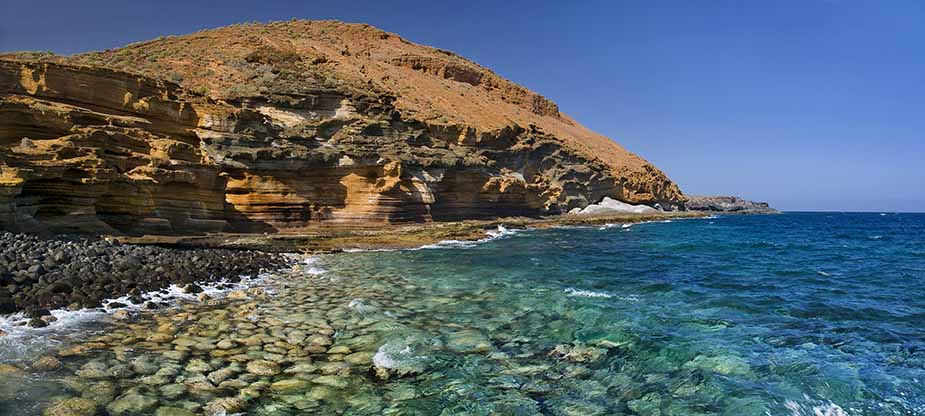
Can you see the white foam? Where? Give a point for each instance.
(306, 260)
(611, 225)
(15, 325)
(629, 225)
(586, 293)
(501, 232)
(364, 250)
(490, 235)
(822, 273)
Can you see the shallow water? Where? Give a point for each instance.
(795, 314)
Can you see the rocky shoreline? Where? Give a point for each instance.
(39, 274)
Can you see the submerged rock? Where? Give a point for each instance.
(46, 363)
(9, 368)
(289, 385)
(578, 353)
(173, 411)
(225, 406)
(75, 406)
(469, 341)
(130, 404)
(263, 368)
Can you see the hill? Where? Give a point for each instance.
(286, 126)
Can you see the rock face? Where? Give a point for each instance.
(290, 126)
(728, 204)
(611, 206)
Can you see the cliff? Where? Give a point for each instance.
(286, 127)
(728, 204)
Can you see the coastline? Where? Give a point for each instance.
(41, 275)
(396, 237)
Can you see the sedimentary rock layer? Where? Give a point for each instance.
(285, 127)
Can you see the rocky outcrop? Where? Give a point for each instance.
(38, 274)
(286, 127)
(610, 206)
(728, 204)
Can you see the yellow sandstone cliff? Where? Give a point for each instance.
(289, 126)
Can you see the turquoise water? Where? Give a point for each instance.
(794, 314)
(786, 314)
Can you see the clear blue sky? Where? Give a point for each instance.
(808, 104)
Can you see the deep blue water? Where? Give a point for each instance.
(800, 313)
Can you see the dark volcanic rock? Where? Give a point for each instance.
(39, 274)
(728, 204)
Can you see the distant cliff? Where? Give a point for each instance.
(728, 204)
(288, 126)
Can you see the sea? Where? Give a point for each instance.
(816, 314)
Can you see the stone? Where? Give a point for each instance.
(725, 365)
(331, 381)
(648, 405)
(94, 370)
(46, 363)
(578, 353)
(339, 349)
(220, 375)
(74, 406)
(172, 391)
(469, 341)
(225, 406)
(160, 338)
(8, 368)
(154, 380)
(360, 358)
(576, 408)
(237, 295)
(101, 392)
(198, 366)
(289, 385)
(144, 365)
(173, 411)
(226, 344)
(263, 368)
(175, 355)
(132, 403)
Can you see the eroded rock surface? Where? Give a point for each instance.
(285, 127)
(728, 204)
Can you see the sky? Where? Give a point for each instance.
(806, 104)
